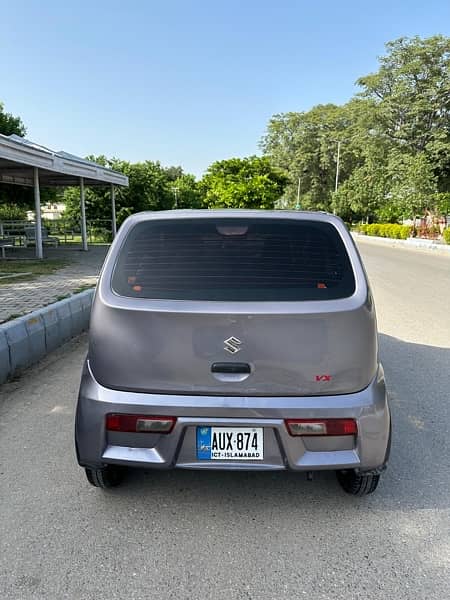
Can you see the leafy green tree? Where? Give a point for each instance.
(12, 212)
(441, 203)
(402, 187)
(251, 182)
(13, 194)
(362, 194)
(173, 173)
(187, 192)
(395, 136)
(10, 124)
(150, 188)
(410, 95)
(413, 185)
(304, 145)
(411, 90)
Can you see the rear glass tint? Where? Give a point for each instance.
(238, 259)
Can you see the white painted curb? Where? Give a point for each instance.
(27, 339)
(409, 243)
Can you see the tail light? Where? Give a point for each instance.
(139, 423)
(321, 426)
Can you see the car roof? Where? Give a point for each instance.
(208, 213)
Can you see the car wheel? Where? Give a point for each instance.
(358, 484)
(105, 477)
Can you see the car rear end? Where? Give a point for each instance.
(233, 340)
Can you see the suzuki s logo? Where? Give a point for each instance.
(232, 345)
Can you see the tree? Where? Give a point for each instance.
(150, 188)
(395, 135)
(441, 203)
(413, 185)
(411, 90)
(403, 187)
(173, 173)
(187, 192)
(243, 183)
(10, 124)
(304, 145)
(13, 194)
(12, 212)
(361, 195)
(411, 99)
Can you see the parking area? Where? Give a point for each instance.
(21, 295)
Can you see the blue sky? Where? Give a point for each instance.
(188, 82)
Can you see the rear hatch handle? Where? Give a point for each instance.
(230, 371)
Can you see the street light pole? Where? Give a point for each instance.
(297, 207)
(175, 193)
(337, 166)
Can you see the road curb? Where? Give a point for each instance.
(27, 339)
(411, 243)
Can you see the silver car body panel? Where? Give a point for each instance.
(367, 451)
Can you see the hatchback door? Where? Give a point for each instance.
(234, 305)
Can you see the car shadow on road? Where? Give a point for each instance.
(418, 378)
(418, 472)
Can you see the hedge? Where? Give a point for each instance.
(446, 235)
(387, 230)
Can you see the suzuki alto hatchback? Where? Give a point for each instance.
(225, 339)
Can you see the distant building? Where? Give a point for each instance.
(51, 211)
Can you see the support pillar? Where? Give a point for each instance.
(37, 212)
(83, 216)
(113, 210)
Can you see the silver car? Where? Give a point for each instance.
(233, 339)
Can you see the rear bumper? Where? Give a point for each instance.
(366, 451)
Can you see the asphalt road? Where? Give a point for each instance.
(191, 535)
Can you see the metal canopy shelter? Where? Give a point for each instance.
(23, 162)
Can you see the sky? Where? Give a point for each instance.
(188, 82)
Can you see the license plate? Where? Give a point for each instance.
(230, 443)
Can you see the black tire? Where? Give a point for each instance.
(358, 484)
(105, 477)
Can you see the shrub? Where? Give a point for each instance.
(102, 235)
(12, 212)
(446, 235)
(387, 230)
(374, 229)
(405, 232)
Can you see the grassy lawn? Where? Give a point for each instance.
(76, 239)
(29, 268)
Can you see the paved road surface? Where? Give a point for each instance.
(190, 535)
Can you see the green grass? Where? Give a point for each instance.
(35, 267)
(76, 239)
(83, 288)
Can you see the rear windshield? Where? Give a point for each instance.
(233, 259)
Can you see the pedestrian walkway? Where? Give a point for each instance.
(18, 298)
